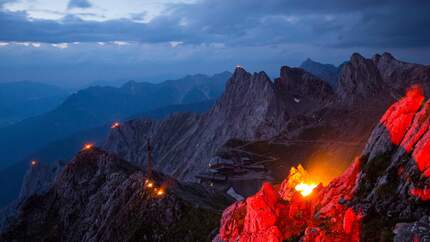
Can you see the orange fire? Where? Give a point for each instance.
(160, 192)
(115, 125)
(299, 181)
(149, 184)
(88, 146)
(305, 189)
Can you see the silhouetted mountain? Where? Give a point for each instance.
(20, 100)
(327, 72)
(65, 148)
(94, 106)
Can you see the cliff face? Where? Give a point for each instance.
(382, 196)
(252, 107)
(359, 81)
(99, 197)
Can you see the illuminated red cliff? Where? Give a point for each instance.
(380, 197)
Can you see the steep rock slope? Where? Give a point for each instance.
(382, 196)
(252, 107)
(99, 197)
(359, 80)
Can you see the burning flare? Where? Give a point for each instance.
(305, 189)
(115, 125)
(87, 147)
(160, 192)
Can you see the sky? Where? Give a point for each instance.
(73, 43)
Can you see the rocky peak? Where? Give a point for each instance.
(399, 75)
(298, 82)
(359, 80)
(326, 72)
(244, 89)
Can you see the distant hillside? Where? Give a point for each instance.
(95, 106)
(327, 72)
(20, 100)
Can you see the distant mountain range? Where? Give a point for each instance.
(24, 99)
(95, 106)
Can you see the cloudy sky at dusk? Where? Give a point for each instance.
(75, 42)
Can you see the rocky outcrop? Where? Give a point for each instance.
(394, 181)
(399, 75)
(359, 81)
(301, 87)
(99, 197)
(382, 196)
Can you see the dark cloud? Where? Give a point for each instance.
(216, 35)
(246, 22)
(78, 4)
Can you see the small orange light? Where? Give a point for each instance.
(33, 162)
(149, 184)
(88, 146)
(160, 192)
(115, 125)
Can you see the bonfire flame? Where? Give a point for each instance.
(87, 147)
(155, 190)
(299, 181)
(305, 189)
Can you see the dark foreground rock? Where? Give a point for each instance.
(99, 197)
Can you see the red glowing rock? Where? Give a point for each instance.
(418, 128)
(261, 210)
(423, 194)
(399, 116)
(421, 155)
(267, 217)
(232, 221)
